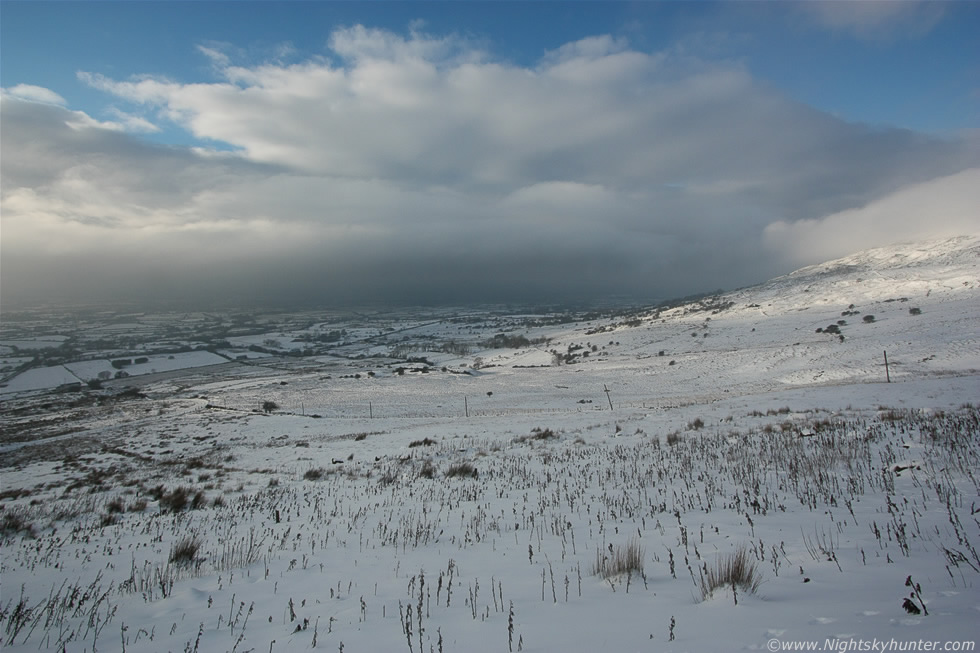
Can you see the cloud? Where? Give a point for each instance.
(877, 19)
(421, 168)
(35, 94)
(947, 206)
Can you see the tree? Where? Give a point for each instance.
(269, 406)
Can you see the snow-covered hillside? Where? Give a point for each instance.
(580, 493)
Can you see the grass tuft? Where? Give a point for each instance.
(184, 552)
(463, 470)
(624, 559)
(736, 569)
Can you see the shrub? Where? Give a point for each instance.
(427, 442)
(696, 425)
(314, 474)
(428, 470)
(461, 469)
(184, 552)
(868, 319)
(915, 311)
(673, 438)
(114, 506)
(537, 433)
(199, 501)
(736, 569)
(620, 560)
(269, 406)
(13, 522)
(176, 500)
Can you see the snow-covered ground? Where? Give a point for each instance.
(482, 508)
(42, 378)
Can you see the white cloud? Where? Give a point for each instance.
(217, 57)
(947, 206)
(876, 19)
(598, 169)
(35, 94)
(132, 123)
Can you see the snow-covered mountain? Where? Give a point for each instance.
(907, 269)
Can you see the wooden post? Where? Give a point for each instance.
(608, 398)
(887, 375)
(370, 410)
(466, 406)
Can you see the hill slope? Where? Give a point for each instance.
(521, 506)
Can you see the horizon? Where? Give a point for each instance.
(433, 153)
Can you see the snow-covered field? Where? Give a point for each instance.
(82, 371)
(496, 502)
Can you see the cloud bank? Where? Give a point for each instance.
(422, 169)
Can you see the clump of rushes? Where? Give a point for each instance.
(184, 552)
(624, 559)
(462, 470)
(737, 570)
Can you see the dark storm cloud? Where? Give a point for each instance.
(420, 169)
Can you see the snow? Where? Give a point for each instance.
(40, 378)
(765, 435)
(81, 371)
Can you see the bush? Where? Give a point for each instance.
(915, 311)
(314, 474)
(199, 501)
(427, 442)
(462, 469)
(537, 433)
(737, 569)
(176, 500)
(269, 406)
(12, 522)
(184, 552)
(620, 560)
(868, 319)
(696, 425)
(428, 470)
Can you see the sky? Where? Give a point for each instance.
(362, 153)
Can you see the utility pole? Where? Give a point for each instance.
(608, 398)
(887, 375)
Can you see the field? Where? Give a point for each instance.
(734, 472)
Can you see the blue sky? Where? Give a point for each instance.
(914, 69)
(661, 122)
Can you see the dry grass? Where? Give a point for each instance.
(618, 560)
(462, 469)
(736, 569)
(184, 552)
